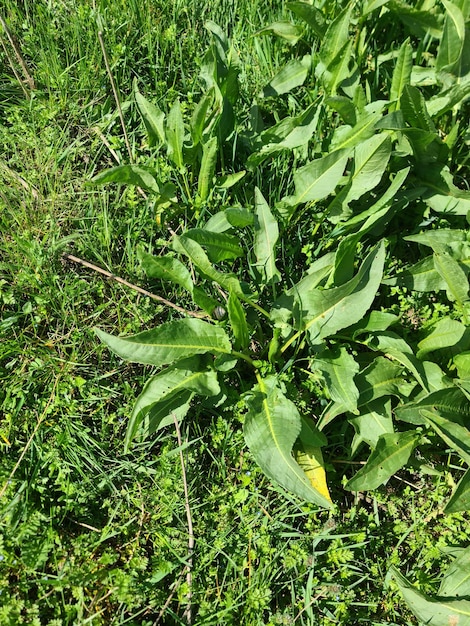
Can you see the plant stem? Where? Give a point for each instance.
(245, 357)
(291, 340)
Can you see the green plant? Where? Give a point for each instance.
(394, 395)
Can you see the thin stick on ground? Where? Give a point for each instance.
(187, 615)
(118, 279)
(116, 95)
(19, 56)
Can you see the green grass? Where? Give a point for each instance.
(90, 534)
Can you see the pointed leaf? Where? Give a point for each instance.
(453, 275)
(163, 392)
(292, 75)
(460, 500)
(271, 428)
(448, 403)
(237, 318)
(166, 268)
(129, 175)
(455, 435)
(219, 246)
(286, 30)
(414, 109)
(401, 74)
(338, 368)
(169, 342)
(266, 233)
(207, 169)
(326, 311)
(456, 581)
(390, 454)
(190, 248)
(307, 453)
(347, 137)
(153, 119)
(446, 333)
(319, 178)
(311, 15)
(453, 37)
(433, 611)
(374, 421)
(175, 135)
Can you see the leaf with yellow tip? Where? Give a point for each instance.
(307, 453)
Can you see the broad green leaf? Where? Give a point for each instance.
(421, 276)
(456, 581)
(307, 453)
(374, 322)
(390, 454)
(207, 169)
(401, 74)
(453, 275)
(311, 15)
(447, 332)
(381, 378)
(460, 499)
(413, 105)
(219, 246)
(440, 237)
(345, 107)
(396, 348)
(282, 310)
(163, 392)
(370, 162)
(375, 420)
(288, 134)
(169, 342)
(203, 301)
(153, 119)
(446, 100)
(129, 175)
(337, 70)
(229, 180)
(453, 37)
(347, 137)
(455, 435)
(166, 268)
(338, 369)
(324, 312)
(266, 233)
(175, 135)
(385, 203)
(286, 30)
(272, 425)
(292, 75)
(319, 178)
(373, 5)
(237, 318)
(198, 119)
(462, 363)
(448, 203)
(433, 611)
(239, 218)
(192, 249)
(419, 21)
(336, 36)
(450, 404)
